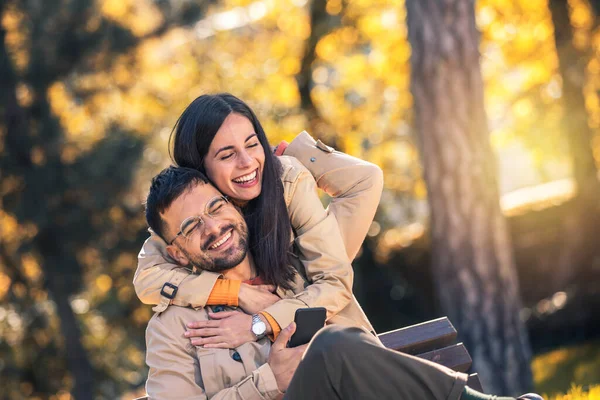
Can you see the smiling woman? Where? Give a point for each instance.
(222, 137)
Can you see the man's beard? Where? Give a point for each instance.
(222, 262)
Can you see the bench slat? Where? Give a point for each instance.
(420, 338)
(474, 383)
(455, 357)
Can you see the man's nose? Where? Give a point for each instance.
(212, 225)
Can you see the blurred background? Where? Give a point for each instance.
(89, 93)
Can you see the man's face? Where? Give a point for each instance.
(218, 243)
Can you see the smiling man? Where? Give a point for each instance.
(204, 230)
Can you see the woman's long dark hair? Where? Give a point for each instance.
(267, 216)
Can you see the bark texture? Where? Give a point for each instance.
(580, 224)
(472, 257)
(321, 23)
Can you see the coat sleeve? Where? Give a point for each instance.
(321, 250)
(175, 372)
(156, 268)
(355, 186)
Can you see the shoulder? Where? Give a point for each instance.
(294, 176)
(174, 318)
(292, 169)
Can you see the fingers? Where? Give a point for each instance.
(222, 314)
(267, 288)
(284, 337)
(203, 332)
(218, 346)
(213, 341)
(204, 324)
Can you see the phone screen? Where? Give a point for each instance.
(308, 322)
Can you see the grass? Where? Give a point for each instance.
(578, 393)
(574, 370)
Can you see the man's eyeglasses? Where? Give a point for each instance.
(191, 224)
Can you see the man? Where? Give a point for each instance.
(340, 363)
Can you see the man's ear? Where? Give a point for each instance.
(178, 255)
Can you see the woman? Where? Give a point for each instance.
(221, 136)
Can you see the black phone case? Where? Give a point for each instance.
(308, 322)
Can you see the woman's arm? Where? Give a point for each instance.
(159, 280)
(320, 247)
(355, 186)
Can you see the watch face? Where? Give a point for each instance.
(259, 328)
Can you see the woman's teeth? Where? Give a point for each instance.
(245, 178)
(220, 242)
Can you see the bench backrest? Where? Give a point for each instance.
(435, 341)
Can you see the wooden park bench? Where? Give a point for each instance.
(433, 340)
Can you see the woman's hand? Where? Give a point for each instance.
(226, 330)
(253, 299)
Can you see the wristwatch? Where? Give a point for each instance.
(258, 327)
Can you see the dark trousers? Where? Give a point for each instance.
(348, 363)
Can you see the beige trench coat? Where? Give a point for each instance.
(324, 239)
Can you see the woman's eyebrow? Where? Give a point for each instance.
(223, 149)
(231, 147)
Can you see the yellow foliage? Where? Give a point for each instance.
(104, 283)
(140, 16)
(16, 37)
(4, 284)
(8, 225)
(31, 268)
(577, 393)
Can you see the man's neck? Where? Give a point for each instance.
(243, 271)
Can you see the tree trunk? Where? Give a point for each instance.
(472, 257)
(320, 23)
(18, 146)
(580, 224)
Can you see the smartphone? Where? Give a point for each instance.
(308, 322)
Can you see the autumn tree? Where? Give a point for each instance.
(472, 259)
(60, 196)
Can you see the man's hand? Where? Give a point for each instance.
(255, 298)
(227, 330)
(284, 361)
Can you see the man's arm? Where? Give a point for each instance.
(176, 372)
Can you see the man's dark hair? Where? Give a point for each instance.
(165, 188)
(267, 215)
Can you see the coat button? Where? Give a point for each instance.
(236, 356)
(218, 308)
(312, 159)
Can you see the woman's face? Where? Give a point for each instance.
(235, 160)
